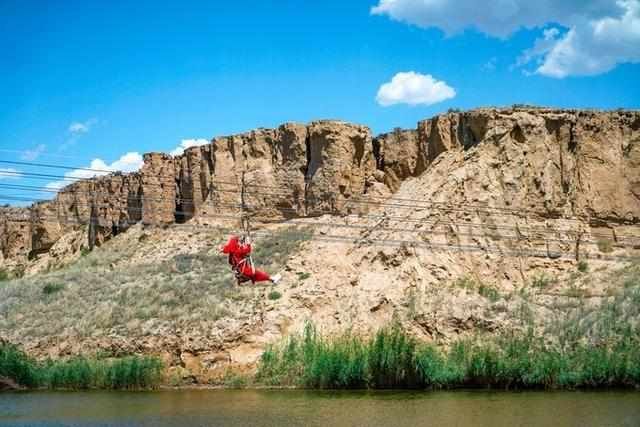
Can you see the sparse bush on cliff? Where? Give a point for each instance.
(4, 275)
(605, 245)
(51, 288)
(274, 295)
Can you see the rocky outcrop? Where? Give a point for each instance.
(557, 163)
(400, 154)
(15, 232)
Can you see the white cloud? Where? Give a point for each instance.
(77, 128)
(9, 173)
(490, 65)
(129, 162)
(597, 46)
(188, 143)
(498, 18)
(414, 89)
(33, 154)
(599, 34)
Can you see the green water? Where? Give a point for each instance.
(305, 408)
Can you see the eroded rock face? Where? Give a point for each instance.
(399, 154)
(558, 163)
(340, 161)
(15, 232)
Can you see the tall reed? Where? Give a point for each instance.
(131, 372)
(393, 359)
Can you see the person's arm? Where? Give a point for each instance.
(231, 246)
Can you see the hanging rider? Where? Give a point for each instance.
(239, 251)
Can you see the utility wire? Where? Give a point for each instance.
(172, 179)
(434, 247)
(518, 229)
(438, 206)
(517, 238)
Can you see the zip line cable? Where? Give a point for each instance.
(416, 243)
(518, 229)
(347, 201)
(518, 238)
(172, 178)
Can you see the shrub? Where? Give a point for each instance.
(274, 295)
(604, 245)
(541, 280)
(489, 292)
(51, 288)
(465, 282)
(4, 275)
(303, 275)
(583, 266)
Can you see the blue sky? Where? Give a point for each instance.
(84, 81)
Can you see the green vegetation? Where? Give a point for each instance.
(4, 275)
(583, 266)
(393, 359)
(302, 276)
(51, 288)
(489, 292)
(126, 285)
(274, 295)
(605, 245)
(541, 280)
(132, 372)
(483, 289)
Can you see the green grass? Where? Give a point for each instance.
(483, 289)
(131, 372)
(302, 276)
(51, 288)
(393, 359)
(605, 245)
(103, 292)
(274, 295)
(583, 266)
(489, 292)
(541, 280)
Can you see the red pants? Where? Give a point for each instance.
(254, 274)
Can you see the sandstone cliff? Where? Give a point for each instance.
(558, 163)
(475, 222)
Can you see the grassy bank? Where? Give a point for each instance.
(102, 292)
(392, 359)
(132, 372)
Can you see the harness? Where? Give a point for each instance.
(239, 268)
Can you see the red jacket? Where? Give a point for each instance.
(236, 250)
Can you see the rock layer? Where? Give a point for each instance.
(559, 163)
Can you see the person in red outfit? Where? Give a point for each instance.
(239, 250)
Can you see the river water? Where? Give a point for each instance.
(319, 408)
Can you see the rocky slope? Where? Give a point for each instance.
(475, 222)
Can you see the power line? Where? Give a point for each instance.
(42, 218)
(368, 201)
(518, 229)
(433, 247)
(439, 206)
